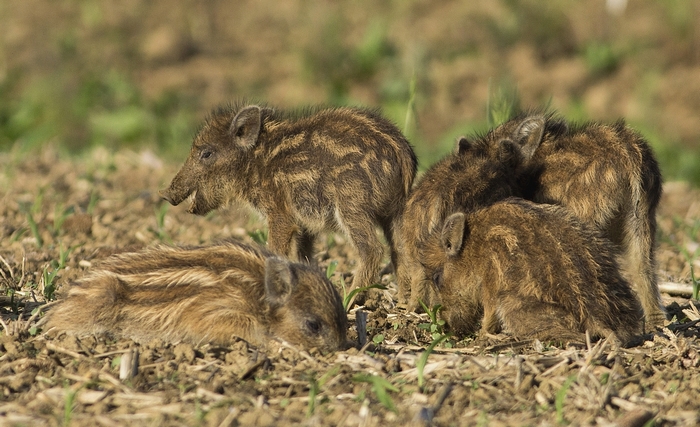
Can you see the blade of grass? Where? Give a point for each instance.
(380, 386)
(258, 236)
(49, 287)
(410, 108)
(315, 388)
(59, 217)
(331, 268)
(423, 359)
(94, 198)
(68, 406)
(348, 298)
(34, 228)
(560, 396)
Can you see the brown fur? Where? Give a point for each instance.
(341, 169)
(607, 176)
(205, 294)
(531, 270)
(471, 177)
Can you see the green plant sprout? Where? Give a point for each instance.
(38, 202)
(501, 104)
(601, 58)
(411, 107)
(49, 286)
(63, 255)
(423, 359)
(14, 304)
(94, 198)
(159, 231)
(199, 412)
(33, 226)
(348, 298)
(259, 236)
(315, 388)
(331, 269)
(560, 396)
(18, 234)
(33, 331)
(330, 241)
(50, 271)
(436, 327)
(59, 217)
(381, 387)
(68, 406)
(116, 362)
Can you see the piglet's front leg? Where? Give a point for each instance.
(282, 232)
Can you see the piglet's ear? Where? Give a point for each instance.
(453, 233)
(509, 153)
(245, 127)
(463, 145)
(529, 135)
(279, 281)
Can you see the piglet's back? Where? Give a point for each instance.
(547, 255)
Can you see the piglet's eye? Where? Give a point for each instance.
(205, 154)
(313, 326)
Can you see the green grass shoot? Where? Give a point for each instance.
(59, 217)
(377, 339)
(503, 101)
(159, 230)
(259, 236)
(348, 297)
(423, 359)
(94, 198)
(381, 387)
(560, 396)
(315, 388)
(332, 266)
(436, 327)
(49, 286)
(411, 107)
(33, 226)
(63, 255)
(68, 406)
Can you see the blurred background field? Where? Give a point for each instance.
(76, 74)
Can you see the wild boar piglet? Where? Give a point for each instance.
(474, 175)
(531, 270)
(203, 294)
(607, 176)
(347, 170)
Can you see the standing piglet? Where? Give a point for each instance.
(530, 270)
(337, 169)
(473, 176)
(205, 294)
(607, 176)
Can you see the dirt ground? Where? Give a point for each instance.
(58, 215)
(85, 209)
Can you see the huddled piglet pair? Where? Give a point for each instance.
(530, 269)
(545, 267)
